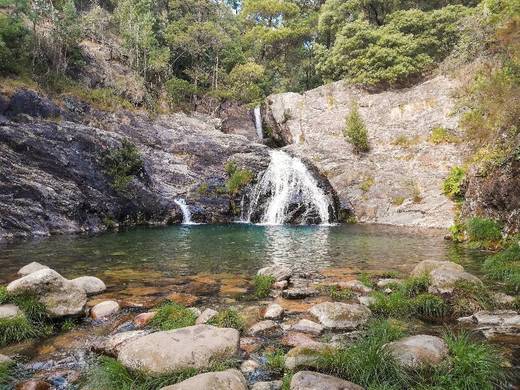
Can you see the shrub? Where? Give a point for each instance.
(229, 318)
(452, 184)
(505, 267)
(237, 178)
(179, 91)
(405, 142)
(275, 361)
(397, 200)
(172, 316)
(483, 230)
(263, 285)
(441, 135)
(122, 165)
(356, 131)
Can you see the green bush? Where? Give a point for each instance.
(505, 267)
(172, 316)
(13, 36)
(483, 230)
(229, 318)
(122, 165)
(452, 184)
(356, 131)
(180, 91)
(262, 284)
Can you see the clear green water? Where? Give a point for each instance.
(235, 248)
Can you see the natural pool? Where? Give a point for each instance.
(235, 249)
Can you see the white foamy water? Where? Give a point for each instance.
(186, 214)
(258, 123)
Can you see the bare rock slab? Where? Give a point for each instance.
(498, 326)
(60, 296)
(30, 268)
(191, 347)
(420, 350)
(230, 380)
(338, 315)
(90, 284)
(308, 380)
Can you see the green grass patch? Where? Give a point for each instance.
(229, 318)
(367, 183)
(337, 293)
(172, 316)
(286, 380)
(366, 279)
(16, 329)
(275, 361)
(262, 285)
(469, 297)
(6, 374)
(483, 231)
(452, 185)
(505, 268)
(441, 135)
(237, 178)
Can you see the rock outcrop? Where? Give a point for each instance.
(399, 181)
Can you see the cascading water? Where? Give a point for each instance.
(258, 122)
(287, 191)
(186, 214)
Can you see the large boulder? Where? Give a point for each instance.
(308, 380)
(417, 351)
(30, 268)
(60, 296)
(28, 102)
(444, 281)
(112, 344)
(338, 315)
(90, 284)
(231, 379)
(191, 347)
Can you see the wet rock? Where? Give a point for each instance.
(420, 350)
(33, 385)
(304, 356)
(443, 281)
(366, 301)
(191, 347)
(9, 311)
(206, 316)
(60, 296)
(338, 315)
(497, 326)
(278, 272)
(299, 292)
(295, 339)
(308, 380)
(273, 385)
(307, 326)
(90, 284)
(30, 268)
(183, 299)
(273, 312)
(230, 380)
(111, 345)
(104, 309)
(143, 319)
(355, 285)
(264, 328)
(427, 266)
(383, 283)
(250, 344)
(249, 366)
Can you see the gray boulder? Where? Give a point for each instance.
(30, 268)
(90, 284)
(223, 380)
(338, 315)
(278, 272)
(308, 380)
(427, 266)
(417, 351)
(104, 309)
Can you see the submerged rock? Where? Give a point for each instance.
(31, 267)
(191, 347)
(231, 379)
(143, 319)
(249, 366)
(299, 292)
(338, 315)
(278, 272)
(90, 284)
(308, 380)
(104, 309)
(9, 311)
(60, 296)
(420, 350)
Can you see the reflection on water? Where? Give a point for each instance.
(234, 248)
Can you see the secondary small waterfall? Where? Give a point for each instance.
(258, 122)
(186, 214)
(287, 191)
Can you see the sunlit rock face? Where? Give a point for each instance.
(399, 181)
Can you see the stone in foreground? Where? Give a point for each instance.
(60, 296)
(272, 385)
(112, 344)
(223, 380)
(308, 380)
(304, 356)
(273, 312)
(420, 350)
(278, 272)
(196, 346)
(9, 311)
(427, 266)
(307, 326)
(90, 284)
(338, 315)
(31, 267)
(264, 328)
(104, 310)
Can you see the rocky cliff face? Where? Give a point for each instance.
(399, 181)
(53, 178)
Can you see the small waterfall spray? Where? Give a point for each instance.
(186, 214)
(258, 122)
(287, 182)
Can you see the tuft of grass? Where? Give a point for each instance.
(30, 305)
(406, 142)
(415, 285)
(262, 284)
(366, 279)
(483, 230)
(452, 185)
(337, 293)
(365, 362)
(441, 135)
(469, 297)
(5, 374)
(397, 200)
(367, 183)
(172, 316)
(67, 325)
(275, 361)
(237, 178)
(286, 380)
(16, 329)
(228, 318)
(429, 307)
(505, 267)
(4, 295)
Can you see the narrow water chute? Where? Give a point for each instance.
(186, 214)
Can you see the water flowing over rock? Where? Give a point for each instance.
(186, 213)
(287, 192)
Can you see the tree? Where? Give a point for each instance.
(356, 131)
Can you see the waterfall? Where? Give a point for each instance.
(258, 122)
(287, 190)
(186, 214)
